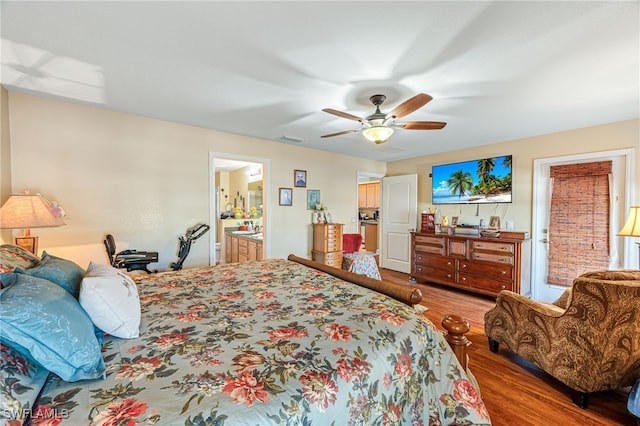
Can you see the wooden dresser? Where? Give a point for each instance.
(327, 244)
(481, 265)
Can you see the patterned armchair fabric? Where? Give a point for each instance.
(589, 339)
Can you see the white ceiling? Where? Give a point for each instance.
(497, 70)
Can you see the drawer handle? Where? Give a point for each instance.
(464, 265)
(503, 272)
(448, 263)
(448, 275)
(478, 256)
(464, 278)
(503, 286)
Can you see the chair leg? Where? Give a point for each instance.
(581, 399)
(493, 345)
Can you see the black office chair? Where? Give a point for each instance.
(131, 260)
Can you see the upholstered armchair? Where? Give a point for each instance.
(589, 339)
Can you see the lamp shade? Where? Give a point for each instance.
(29, 211)
(378, 134)
(632, 227)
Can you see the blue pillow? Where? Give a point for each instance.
(63, 272)
(40, 317)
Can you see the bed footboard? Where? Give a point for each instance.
(455, 325)
(407, 295)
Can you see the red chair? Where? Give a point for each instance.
(351, 243)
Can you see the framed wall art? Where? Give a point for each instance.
(313, 199)
(300, 178)
(285, 197)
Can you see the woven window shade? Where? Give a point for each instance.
(579, 222)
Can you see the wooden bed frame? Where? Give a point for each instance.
(456, 327)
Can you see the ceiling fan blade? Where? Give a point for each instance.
(410, 105)
(340, 133)
(422, 125)
(342, 114)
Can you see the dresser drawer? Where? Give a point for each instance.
(484, 283)
(489, 257)
(425, 239)
(333, 246)
(334, 232)
(435, 261)
(431, 273)
(498, 271)
(429, 249)
(499, 247)
(332, 258)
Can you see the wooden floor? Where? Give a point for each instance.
(516, 392)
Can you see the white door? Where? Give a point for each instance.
(399, 216)
(621, 190)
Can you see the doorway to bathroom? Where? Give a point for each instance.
(238, 193)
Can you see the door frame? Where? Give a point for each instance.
(540, 290)
(266, 194)
(360, 176)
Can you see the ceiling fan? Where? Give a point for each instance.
(378, 127)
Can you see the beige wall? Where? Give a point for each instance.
(621, 135)
(146, 181)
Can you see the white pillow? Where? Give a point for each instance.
(110, 297)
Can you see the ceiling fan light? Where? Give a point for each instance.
(378, 134)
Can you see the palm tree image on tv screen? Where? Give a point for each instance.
(487, 180)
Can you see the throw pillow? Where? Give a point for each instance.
(111, 299)
(41, 318)
(63, 272)
(12, 257)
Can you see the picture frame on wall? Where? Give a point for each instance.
(313, 199)
(300, 178)
(454, 221)
(285, 197)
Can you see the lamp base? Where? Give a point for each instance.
(27, 242)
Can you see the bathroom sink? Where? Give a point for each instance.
(243, 232)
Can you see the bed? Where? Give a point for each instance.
(268, 342)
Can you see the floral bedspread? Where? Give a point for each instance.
(269, 342)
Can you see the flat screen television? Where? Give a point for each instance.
(487, 180)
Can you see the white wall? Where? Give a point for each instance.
(146, 181)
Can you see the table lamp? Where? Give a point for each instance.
(632, 227)
(25, 211)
